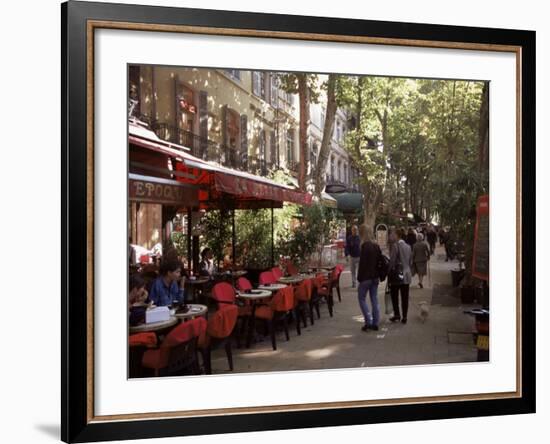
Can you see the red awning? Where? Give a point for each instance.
(221, 185)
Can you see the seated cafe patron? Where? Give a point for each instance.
(137, 293)
(206, 265)
(165, 289)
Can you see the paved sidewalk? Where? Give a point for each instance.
(338, 342)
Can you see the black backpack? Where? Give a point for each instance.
(383, 267)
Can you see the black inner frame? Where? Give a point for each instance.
(74, 423)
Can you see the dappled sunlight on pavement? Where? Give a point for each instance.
(338, 342)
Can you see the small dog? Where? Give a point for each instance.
(424, 310)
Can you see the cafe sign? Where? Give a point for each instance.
(161, 191)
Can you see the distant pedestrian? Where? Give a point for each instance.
(420, 257)
(448, 242)
(432, 238)
(353, 250)
(368, 278)
(441, 233)
(400, 277)
(411, 237)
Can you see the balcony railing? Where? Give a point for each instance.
(259, 166)
(209, 150)
(201, 147)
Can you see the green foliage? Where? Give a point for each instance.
(289, 83)
(253, 229)
(179, 240)
(317, 226)
(216, 230)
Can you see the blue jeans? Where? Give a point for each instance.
(369, 286)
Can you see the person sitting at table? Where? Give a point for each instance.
(136, 290)
(228, 257)
(206, 265)
(242, 256)
(165, 288)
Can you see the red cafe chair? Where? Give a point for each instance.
(291, 268)
(177, 353)
(243, 284)
(266, 277)
(218, 334)
(302, 294)
(335, 277)
(277, 273)
(322, 289)
(138, 344)
(279, 308)
(224, 294)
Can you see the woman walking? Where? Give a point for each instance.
(420, 257)
(368, 278)
(400, 277)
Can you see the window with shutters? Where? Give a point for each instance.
(262, 153)
(346, 179)
(134, 91)
(290, 147)
(261, 84)
(274, 90)
(256, 82)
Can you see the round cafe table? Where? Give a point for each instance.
(154, 326)
(290, 280)
(195, 310)
(195, 285)
(254, 294)
(306, 276)
(272, 287)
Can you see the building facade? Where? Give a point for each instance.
(239, 119)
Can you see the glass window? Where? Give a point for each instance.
(290, 146)
(235, 73)
(313, 157)
(256, 82)
(274, 89)
(263, 90)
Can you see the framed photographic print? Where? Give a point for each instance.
(293, 206)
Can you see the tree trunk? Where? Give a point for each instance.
(321, 167)
(372, 196)
(304, 125)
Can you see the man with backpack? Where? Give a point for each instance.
(372, 269)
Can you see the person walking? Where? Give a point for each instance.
(420, 257)
(411, 237)
(353, 250)
(400, 277)
(368, 278)
(448, 242)
(431, 238)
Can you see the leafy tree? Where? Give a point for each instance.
(328, 126)
(306, 86)
(216, 230)
(373, 101)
